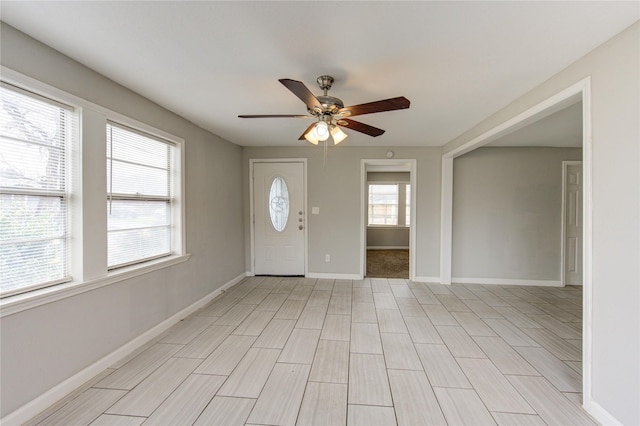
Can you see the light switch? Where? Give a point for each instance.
(315, 210)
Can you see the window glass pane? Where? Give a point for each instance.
(132, 147)
(28, 165)
(279, 204)
(32, 120)
(383, 204)
(25, 217)
(131, 245)
(139, 222)
(33, 210)
(137, 179)
(27, 264)
(130, 214)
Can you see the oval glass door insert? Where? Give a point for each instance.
(279, 203)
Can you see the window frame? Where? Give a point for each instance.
(169, 199)
(64, 194)
(402, 205)
(88, 215)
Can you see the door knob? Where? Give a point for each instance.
(300, 227)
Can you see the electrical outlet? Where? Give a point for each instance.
(327, 258)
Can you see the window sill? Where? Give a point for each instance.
(22, 302)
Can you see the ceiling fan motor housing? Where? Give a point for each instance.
(325, 82)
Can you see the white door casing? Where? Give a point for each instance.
(572, 222)
(279, 218)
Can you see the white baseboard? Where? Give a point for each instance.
(50, 397)
(420, 279)
(332, 276)
(507, 281)
(600, 414)
(387, 247)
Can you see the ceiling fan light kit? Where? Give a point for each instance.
(330, 112)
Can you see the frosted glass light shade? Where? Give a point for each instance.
(311, 136)
(338, 135)
(321, 131)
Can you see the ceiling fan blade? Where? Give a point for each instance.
(308, 129)
(276, 116)
(378, 106)
(300, 90)
(360, 127)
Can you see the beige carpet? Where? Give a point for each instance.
(388, 263)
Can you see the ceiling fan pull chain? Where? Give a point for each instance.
(324, 160)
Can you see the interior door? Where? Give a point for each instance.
(279, 218)
(573, 224)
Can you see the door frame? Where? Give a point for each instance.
(252, 221)
(388, 165)
(580, 90)
(563, 226)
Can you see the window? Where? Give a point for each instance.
(140, 196)
(35, 135)
(279, 204)
(389, 204)
(383, 204)
(54, 227)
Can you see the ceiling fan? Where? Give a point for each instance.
(331, 114)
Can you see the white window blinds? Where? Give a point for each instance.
(139, 185)
(35, 135)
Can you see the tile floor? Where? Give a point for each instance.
(281, 351)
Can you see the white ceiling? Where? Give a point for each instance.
(458, 62)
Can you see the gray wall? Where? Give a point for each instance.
(614, 70)
(335, 188)
(43, 346)
(395, 237)
(388, 177)
(507, 213)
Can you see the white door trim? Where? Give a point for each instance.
(399, 165)
(252, 161)
(563, 222)
(578, 91)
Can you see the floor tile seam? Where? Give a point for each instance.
(551, 384)
(474, 391)
(371, 405)
(176, 389)
(407, 369)
(66, 403)
(236, 367)
(386, 366)
(539, 340)
(328, 382)
(506, 377)
(146, 376)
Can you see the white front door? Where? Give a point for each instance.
(279, 218)
(573, 223)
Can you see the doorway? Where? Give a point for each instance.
(388, 230)
(388, 222)
(580, 91)
(278, 209)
